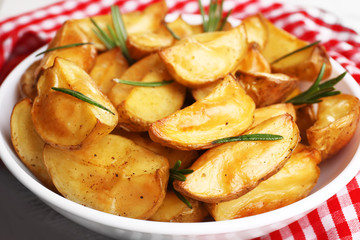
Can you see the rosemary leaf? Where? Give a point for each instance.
(143, 84)
(214, 16)
(172, 32)
(105, 38)
(250, 137)
(64, 46)
(296, 51)
(223, 22)
(177, 174)
(205, 23)
(183, 199)
(82, 97)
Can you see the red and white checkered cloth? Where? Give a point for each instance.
(338, 217)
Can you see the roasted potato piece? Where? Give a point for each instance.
(28, 81)
(266, 89)
(108, 65)
(145, 105)
(305, 64)
(256, 29)
(227, 111)
(337, 120)
(209, 56)
(113, 175)
(83, 56)
(63, 120)
(184, 29)
(204, 91)
(264, 113)
(173, 155)
(27, 143)
(174, 210)
(232, 169)
(306, 118)
(292, 183)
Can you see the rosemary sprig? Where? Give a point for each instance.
(82, 97)
(295, 51)
(176, 174)
(64, 46)
(143, 84)
(172, 32)
(211, 22)
(317, 90)
(250, 137)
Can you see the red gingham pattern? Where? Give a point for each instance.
(338, 217)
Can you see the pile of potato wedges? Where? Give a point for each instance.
(226, 83)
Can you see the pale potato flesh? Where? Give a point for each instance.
(113, 175)
(337, 120)
(63, 120)
(209, 56)
(225, 112)
(27, 143)
(264, 113)
(256, 29)
(232, 169)
(293, 182)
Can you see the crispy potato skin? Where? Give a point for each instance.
(113, 175)
(337, 120)
(28, 82)
(306, 118)
(174, 210)
(264, 113)
(225, 112)
(293, 182)
(232, 169)
(27, 143)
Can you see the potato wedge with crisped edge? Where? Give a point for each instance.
(337, 120)
(113, 175)
(306, 118)
(264, 113)
(256, 29)
(108, 65)
(63, 120)
(227, 111)
(27, 143)
(209, 56)
(305, 64)
(174, 210)
(28, 81)
(83, 56)
(266, 89)
(292, 183)
(232, 169)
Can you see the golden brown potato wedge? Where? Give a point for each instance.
(27, 143)
(209, 56)
(266, 89)
(227, 111)
(292, 183)
(305, 64)
(83, 56)
(108, 65)
(113, 175)
(232, 169)
(337, 120)
(205, 90)
(306, 118)
(184, 29)
(174, 210)
(63, 120)
(256, 29)
(28, 81)
(264, 113)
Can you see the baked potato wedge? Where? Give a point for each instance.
(227, 111)
(28, 81)
(264, 113)
(174, 210)
(337, 120)
(183, 29)
(209, 56)
(266, 89)
(306, 118)
(27, 143)
(292, 183)
(232, 169)
(256, 29)
(108, 65)
(113, 175)
(64, 121)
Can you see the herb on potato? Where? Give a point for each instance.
(143, 84)
(211, 22)
(296, 51)
(250, 137)
(64, 46)
(176, 174)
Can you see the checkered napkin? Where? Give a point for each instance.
(338, 217)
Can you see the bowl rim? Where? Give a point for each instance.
(296, 209)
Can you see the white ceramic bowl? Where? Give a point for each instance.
(335, 174)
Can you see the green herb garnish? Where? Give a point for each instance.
(82, 97)
(176, 174)
(143, 84)
(296, 51)
(117, 36)
(172, 32)
(211, 22)
(317, 90)
(64, 46)
(250, 137)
